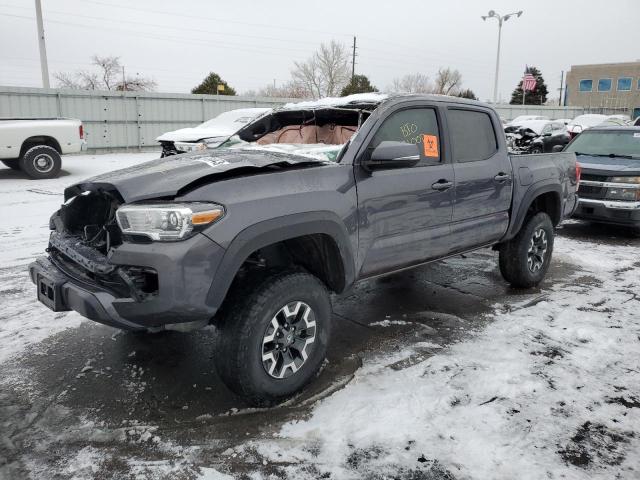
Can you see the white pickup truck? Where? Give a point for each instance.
(35, 145)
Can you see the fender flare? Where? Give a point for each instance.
(276, 230)
(530, 195)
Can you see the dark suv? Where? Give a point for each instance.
(305, 201)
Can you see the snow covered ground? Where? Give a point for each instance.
(25, 208)
(546, 385)
(550, 389)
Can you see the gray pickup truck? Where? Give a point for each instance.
(302, 202)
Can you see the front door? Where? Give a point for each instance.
(404, 213)
(483, 178)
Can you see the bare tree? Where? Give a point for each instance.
(447, 81)
(110, 68)
(290, 89)
(67, 80)
(136, 84)
(107, 77)
(326, 73)
(89, 80)
(411, 83)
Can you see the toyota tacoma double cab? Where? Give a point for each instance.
(299, 204)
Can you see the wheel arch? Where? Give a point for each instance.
(37, 140)
(320, 237)
(542, 198)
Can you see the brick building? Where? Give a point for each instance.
(606, 86)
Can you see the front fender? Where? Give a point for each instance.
(275, 230)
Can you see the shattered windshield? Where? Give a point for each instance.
(318, 133)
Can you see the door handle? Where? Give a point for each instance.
(442, 185)
(501, 177)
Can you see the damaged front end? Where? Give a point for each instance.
(84, 231)
(121, 279)
(522, 140)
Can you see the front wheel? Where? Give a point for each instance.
(524, 260)
(272, 341)
(536, 149)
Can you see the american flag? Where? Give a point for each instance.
(528, 82)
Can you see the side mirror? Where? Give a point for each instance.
(391, 154)
(557, 148)
(548, 134)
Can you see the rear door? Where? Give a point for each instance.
(483, 177)
(404, 213)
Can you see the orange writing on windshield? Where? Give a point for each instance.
(430, 143)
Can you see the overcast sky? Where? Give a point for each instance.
(252, 43)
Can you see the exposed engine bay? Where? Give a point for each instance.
(84, 231)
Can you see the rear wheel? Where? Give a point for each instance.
(272, 341)
(40, 162)
(525, 259)
(12, 164)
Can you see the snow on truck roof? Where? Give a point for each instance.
(355, 99)
(371, 99)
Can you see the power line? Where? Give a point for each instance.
(165, 26)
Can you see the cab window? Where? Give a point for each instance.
(415, 126)
(472, 134)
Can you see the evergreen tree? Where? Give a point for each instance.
(209, 86)
(358, 84)
(467, 93)
(538, 96)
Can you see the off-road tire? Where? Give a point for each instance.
(243, 325)
(40, 162)
(12, 164)
(514, 254)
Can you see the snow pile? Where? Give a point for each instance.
(547, 390)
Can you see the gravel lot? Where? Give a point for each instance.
(442, 372)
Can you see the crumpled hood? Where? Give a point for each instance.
(166, 176)
(196, 133)
(609, 164)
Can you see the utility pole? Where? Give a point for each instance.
(561, 87)
(124, 82)
(353, 60)
(44, 68)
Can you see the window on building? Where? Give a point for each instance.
(586, 85)
(604, 85)
(624, 84)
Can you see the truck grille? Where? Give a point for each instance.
(594, 178)
(592, 191)
(589, 191)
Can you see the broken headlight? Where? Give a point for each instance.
(167, 221)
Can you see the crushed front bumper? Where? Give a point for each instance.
(185, 272)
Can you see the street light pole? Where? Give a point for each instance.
(495, 81)
(500, 19)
